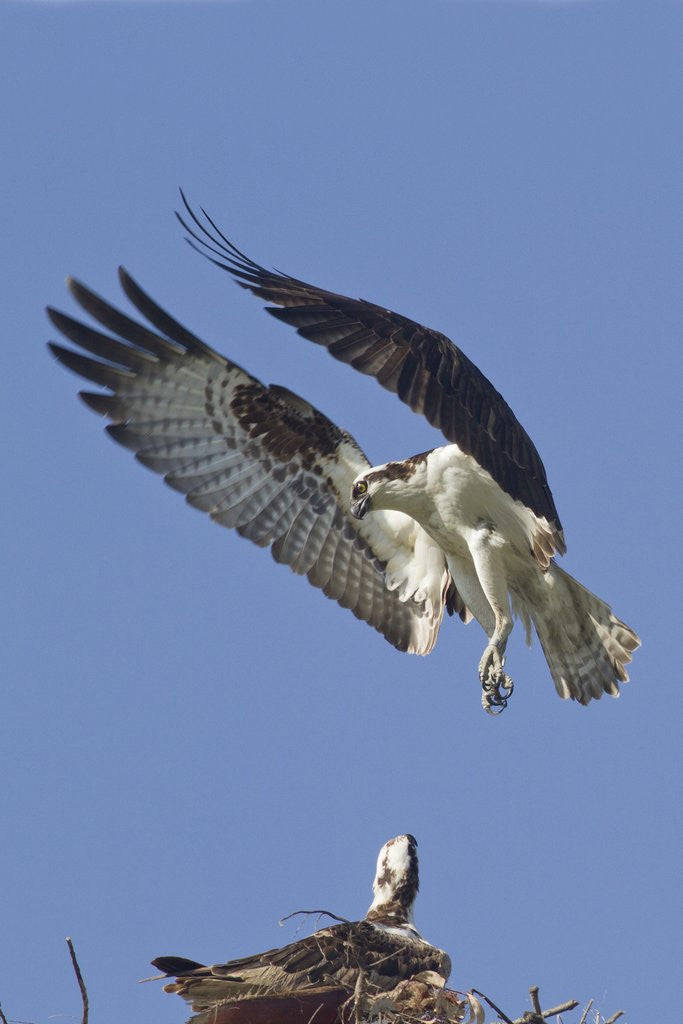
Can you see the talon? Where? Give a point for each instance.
(496, 690)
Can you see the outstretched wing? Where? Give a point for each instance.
(426, 370)
(259, 459)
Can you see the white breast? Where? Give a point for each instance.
(460, 497)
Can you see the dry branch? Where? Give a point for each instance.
(79, 979)
(586, 1011)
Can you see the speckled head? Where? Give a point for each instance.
(386, 487)
(396, 882)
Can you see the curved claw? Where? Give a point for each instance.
(496, 687)
(496, 690)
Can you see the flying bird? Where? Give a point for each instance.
(469, 527)
(381, 950)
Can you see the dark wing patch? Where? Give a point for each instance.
(423, 367)
(256, 458)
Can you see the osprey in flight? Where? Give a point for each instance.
(469, 527)
(383, 949)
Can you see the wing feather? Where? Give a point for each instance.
(332, 956)
(423, 367)
(258, 459)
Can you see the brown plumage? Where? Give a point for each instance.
(385, 948)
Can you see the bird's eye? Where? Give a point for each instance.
(359, 488)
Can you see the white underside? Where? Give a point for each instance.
(488, 540)
(463, 510)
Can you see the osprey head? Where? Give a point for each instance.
(391, 486)
(396, 882)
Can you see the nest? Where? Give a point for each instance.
(410, 1002)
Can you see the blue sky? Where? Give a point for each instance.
(195, 742)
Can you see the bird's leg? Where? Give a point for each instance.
(486, 550)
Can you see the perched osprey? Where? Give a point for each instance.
(384, 948)
(469, 527)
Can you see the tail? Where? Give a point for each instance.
(586, 646)
(190, 977)
(236, 980)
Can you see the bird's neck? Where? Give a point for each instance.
(393, 913)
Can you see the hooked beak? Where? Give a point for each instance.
(360, 507)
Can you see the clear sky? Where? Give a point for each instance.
(194, 742)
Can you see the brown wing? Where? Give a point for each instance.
(336, 954)
(324, 956)
(426, 370)
(319, 959)
(331, 956)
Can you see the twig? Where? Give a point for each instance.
(327, 913)
(535, 1001)
(493, 1006)
(79, 979)
(615, 1016)
(3, 1018)
(571, 1004)
(586, 1012)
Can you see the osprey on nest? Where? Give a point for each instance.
(380, 951)
(470, 527)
